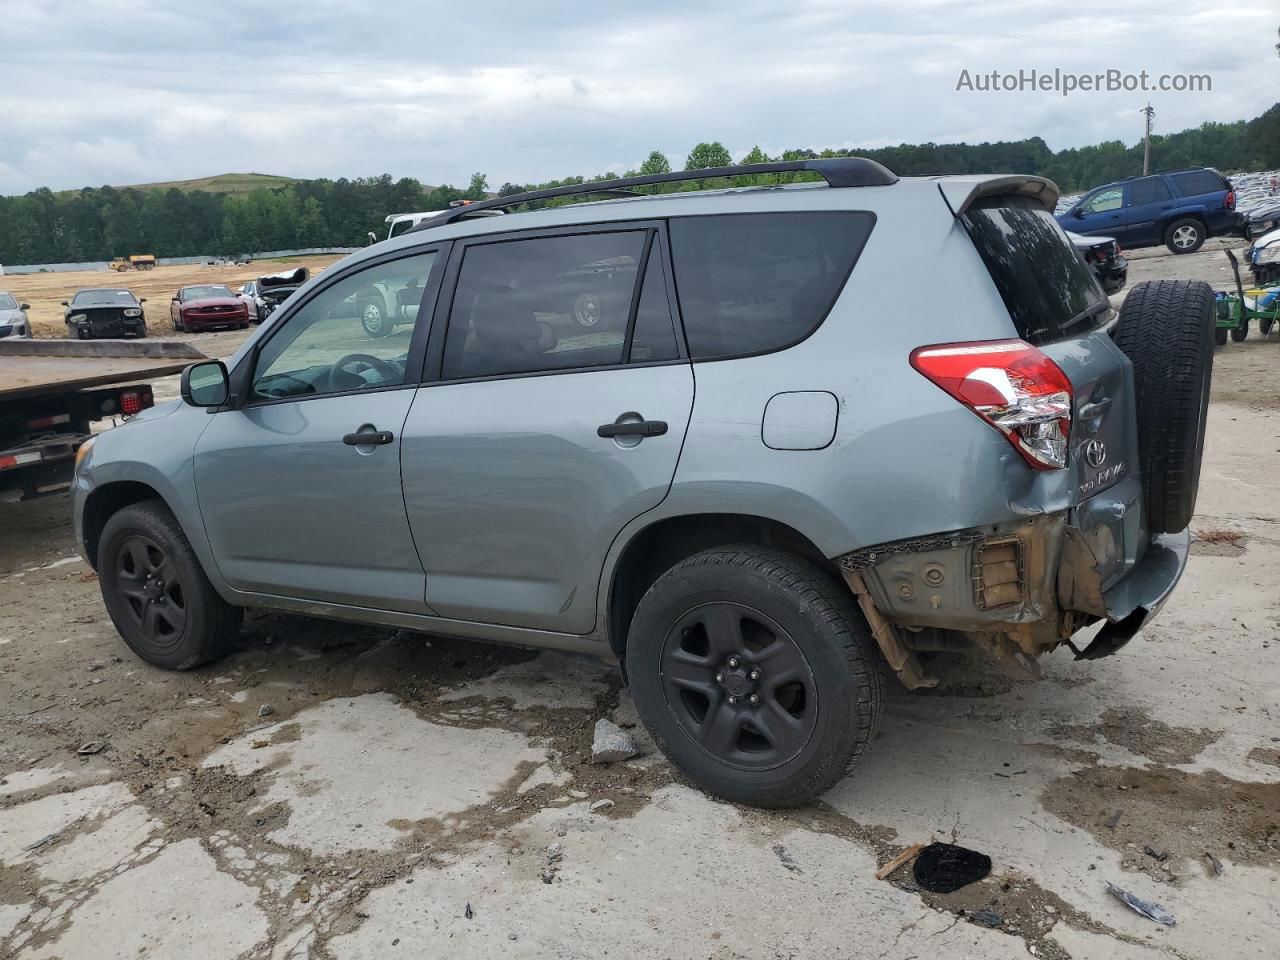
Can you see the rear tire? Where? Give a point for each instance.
(1184, 236)
(156, 592)
(742, 621)
(1220, 335)
(1240, 334)
(1164, 329)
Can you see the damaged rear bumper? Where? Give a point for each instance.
(1134, 601)
(1016, 589)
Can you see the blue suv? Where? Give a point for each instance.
(1180, 210)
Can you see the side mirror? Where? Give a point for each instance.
(1078, 213)
(142, 299)
(24, 306)
(205, 384)
(65, 304)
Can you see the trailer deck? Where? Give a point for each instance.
(40, 367)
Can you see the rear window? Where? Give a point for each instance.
(1049, 291)
(753, 283)
(1195, 182)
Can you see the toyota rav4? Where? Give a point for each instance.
(760, 479)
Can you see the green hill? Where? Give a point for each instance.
(232, 184)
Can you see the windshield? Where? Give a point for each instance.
(1050, 292)
(202, 293)
(105, 298)
(7, 302)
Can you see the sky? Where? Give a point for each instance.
(131, 92)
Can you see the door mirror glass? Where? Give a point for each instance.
(205, 384)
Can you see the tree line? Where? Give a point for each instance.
(99, 223)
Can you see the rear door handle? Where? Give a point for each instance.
(635, 428)
(368, 439)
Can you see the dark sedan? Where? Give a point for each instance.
(107, 312)
(1105, 258)
(206, 307)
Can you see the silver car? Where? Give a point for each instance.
(768, 474)
(13, 318)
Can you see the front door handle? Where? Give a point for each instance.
(633, 428)
(375, 439)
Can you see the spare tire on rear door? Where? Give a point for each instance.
(1166, 329)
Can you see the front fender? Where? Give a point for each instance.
(158, 450)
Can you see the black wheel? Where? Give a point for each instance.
(1184, 236)
(373, 317)
(179, 326)
(1164, 329)
(156, 592)
(1220, 335)
(1240, 333)
(755, 673)
(1265, 324)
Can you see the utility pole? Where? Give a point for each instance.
(1146, 140)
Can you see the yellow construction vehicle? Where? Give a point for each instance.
(137, 261)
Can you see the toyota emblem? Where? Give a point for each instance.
(1095, 452)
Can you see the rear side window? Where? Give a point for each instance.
(1195, 182)
(1049, 291)
(1147, 190)
(753, 283)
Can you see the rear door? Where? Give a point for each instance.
(556, 404)
(1056, 304)
(1147, 202)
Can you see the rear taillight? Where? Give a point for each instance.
(135, 400)
(1231, 200)
(1011, 385)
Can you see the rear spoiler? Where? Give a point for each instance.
(961, 193)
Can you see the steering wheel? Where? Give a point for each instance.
(383, 368)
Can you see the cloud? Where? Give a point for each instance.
(124, 92)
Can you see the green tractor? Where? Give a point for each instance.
(1235, 312)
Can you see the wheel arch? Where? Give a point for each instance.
(104, 502)
(665, 542)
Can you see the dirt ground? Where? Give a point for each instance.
(46, 291)
(345, 792)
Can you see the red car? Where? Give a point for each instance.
(205, 307)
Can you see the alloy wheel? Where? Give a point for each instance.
(739, 685)
(587, 309)
(1185, 237)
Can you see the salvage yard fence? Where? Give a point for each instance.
(172, 261)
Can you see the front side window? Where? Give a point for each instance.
(330, 344)
(546, 303)
(751, 283)
(1104, 200)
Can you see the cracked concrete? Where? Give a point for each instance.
(400, 780)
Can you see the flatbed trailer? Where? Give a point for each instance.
(51, 391)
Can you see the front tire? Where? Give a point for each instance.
(156, 592)
(1184, 236)
(755, 674)
(374, 319)
(1240, 334)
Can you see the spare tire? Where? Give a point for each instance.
(1166, 329)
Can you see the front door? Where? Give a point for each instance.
(299, 488)
(556, 408)
(1100, 214)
